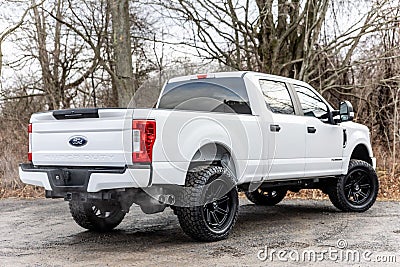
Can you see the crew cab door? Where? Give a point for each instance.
(285, 132)
(324, 140)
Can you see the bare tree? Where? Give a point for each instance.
(113, 50)
(8, 31)
(250, 34)
(122, 50)
(377, 84)
(60, 54)
(283, 37)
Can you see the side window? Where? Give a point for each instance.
(277, 97)
(311, 103)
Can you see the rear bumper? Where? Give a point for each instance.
(83, 179)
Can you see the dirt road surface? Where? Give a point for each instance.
(42, 233)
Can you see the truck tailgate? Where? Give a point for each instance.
(103, 137)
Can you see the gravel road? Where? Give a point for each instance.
(42, 233)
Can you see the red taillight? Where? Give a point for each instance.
(143, 138)
(30, 142)
(201, 76)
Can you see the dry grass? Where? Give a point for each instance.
(22, 192)
(13, 150)
(10, 184)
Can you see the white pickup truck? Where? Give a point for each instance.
(209, 137)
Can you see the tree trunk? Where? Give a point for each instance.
(52, 97)
(122, 51)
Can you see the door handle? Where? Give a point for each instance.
(274, 128)
(311, 129)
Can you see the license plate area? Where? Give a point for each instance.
(69, 178)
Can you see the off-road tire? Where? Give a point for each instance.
(195, 212)
(96, 217)
(269, 197)
(361, 180)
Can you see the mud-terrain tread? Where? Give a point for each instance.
(337, 187)
(83, 215)
(190, 217)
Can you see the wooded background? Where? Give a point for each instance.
(57, 54)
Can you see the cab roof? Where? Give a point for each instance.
(236, 74)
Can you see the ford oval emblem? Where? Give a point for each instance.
(78, 141)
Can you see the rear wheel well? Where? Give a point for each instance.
(361, 152)
(213, 154)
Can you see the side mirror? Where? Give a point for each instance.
(346, 111)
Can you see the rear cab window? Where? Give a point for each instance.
(227, 95)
